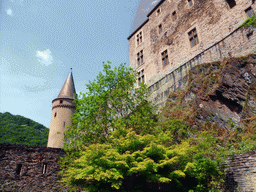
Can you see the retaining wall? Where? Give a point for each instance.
(29, 168)
(240, 42)
(241, 176)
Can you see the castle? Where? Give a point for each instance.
(180, 34)
(33, 168)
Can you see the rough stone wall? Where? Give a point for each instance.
(213, 20)
(238, 43)
(31, 177)
(241, 176)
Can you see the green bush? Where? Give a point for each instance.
(108, 165)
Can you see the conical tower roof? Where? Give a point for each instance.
(68, 89)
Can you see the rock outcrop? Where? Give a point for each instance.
(221, 92)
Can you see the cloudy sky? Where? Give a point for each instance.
(42, 39)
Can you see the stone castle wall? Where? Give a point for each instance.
(213, 20)
(240, 42)
(38, 171)
(241, 176)
(216, 25)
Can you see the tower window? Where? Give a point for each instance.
(190, 2)
(44, 168)
(165, 58)
(231, 3)
(174, 15)
(18, 168)
(141, 77)
(140, 57)
(193, 38)
(139, 38)
(160, 28)
(158, 12)
(64, 124)
(61, 101)
(55, 114)
(249, 12)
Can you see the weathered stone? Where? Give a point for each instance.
(241, 175)
(32, 176)
(219, 37)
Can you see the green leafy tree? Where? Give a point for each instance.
(110, 97)
(116, 139)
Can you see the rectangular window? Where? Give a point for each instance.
(249, 12)
(160, 28)
(44, 168)
(231, 3)
(141, 78)
(140, 58)
(174, 15)
(165, 58)
(139, 38)
(18, 168)
(193, 38)
(190, 2)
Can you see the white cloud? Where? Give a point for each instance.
(9, 12)
(45, 57)
(154, 2)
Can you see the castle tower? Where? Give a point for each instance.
(62, 110)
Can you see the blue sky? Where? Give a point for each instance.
(42, 39)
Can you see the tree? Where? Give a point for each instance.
(115, 142)
(110, 97)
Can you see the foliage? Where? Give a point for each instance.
(115, 139)
(250, 21)
(110, 97)
(16, 129)
(106, 166)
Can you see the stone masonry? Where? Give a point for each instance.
(29, 168)
(241, 176)
(226, 47)
(168, 28)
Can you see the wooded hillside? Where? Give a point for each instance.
(16, 129)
